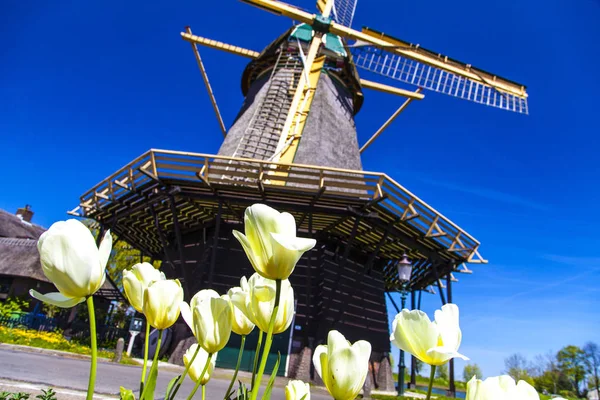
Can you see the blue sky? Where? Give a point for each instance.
(88, 86)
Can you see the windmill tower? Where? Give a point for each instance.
(293, 146)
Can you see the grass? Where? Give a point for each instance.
(52, 341)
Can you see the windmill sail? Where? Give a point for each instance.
(342, 11)
(413, 64)
(410, 71)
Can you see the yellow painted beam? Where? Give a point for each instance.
(416, 95)
(301, 102)
(301, 114)
(430, 58)
(387, 43)
(215, 44)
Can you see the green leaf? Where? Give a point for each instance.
(126, 394)
(171, 386)
(267, 394)
(304, 397)
(151, 382)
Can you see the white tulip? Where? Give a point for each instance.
(343, 367)
(270, 241)
(241, 324)
(258, 305)
(199, 363)
(136, 281)
(434, 343)
(161, 303)
(210, 317)
(72, 262)
(500, 388)
(297, 390)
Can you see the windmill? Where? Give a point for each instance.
(294, 146)
(324, 47)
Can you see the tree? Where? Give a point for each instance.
(470, 371)
(441, 372)
(124, 256)
(517, 367)
(548, 377)
(418, 366)
(572, 363)
(592, 355)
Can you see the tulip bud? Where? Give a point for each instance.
(209, 316)
(241, 324)
(498, 388)
(136, 281)
(196, 368)
(342, 367)
(270, 241)
(297, 390)
(258, 305)
(162, 300)
(434, 343)
(72, 262)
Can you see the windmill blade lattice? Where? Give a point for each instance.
(342, 11)
(428, 77)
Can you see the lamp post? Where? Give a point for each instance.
(404, 272)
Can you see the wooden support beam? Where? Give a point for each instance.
(215, 44)
(161, 236)
(357, 277)
(439, 283)
(213, 257)
(178, 238)
(387, 123)
(380, 87)
(213, 100)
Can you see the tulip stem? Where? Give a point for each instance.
(92, 381)
(431, 377)
(146, 341)
(203, 392)
(185, 371)
(237, 367)
(154, 361)
(200, 379)
(268, 341)
(256, 354)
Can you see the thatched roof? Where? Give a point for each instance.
(12, 226)
(20, 257)
(18, 249)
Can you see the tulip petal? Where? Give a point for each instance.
(247, 246)
(347, 373)
(321, 349)
(69, 258)
(186, 314)
(447, 322)
(285, 224)
(293, 243)
(259, 221)
(526, 391)
(414, 333)
(440, 355)
(57, 299)
(105, 249)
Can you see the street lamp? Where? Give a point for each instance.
(404, 272)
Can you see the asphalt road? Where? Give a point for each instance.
(71, 373)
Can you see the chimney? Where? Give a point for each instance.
(25, 213)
